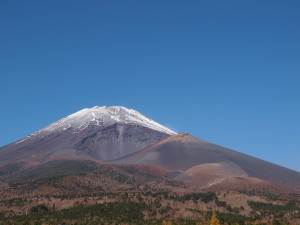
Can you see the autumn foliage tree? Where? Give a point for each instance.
(214, 220)
(167, 222)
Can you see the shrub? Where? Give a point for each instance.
(39, 208)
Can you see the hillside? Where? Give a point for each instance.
(192, 157)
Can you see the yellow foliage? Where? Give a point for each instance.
(214, 220)
(167, 222)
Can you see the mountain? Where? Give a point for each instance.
(197, 160)
(98, 133)
(119, 136)
(103, 156)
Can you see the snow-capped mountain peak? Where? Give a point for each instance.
(101, 117)
(105, 116)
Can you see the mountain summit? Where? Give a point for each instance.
(102, 133)
(106, 116)
(100, 117)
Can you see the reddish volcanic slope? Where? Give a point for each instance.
(193, 157)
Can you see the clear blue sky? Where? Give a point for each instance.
(224, 71)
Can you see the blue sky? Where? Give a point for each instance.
(224, 71)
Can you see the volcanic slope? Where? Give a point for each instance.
(98, 133)
(194, 159)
